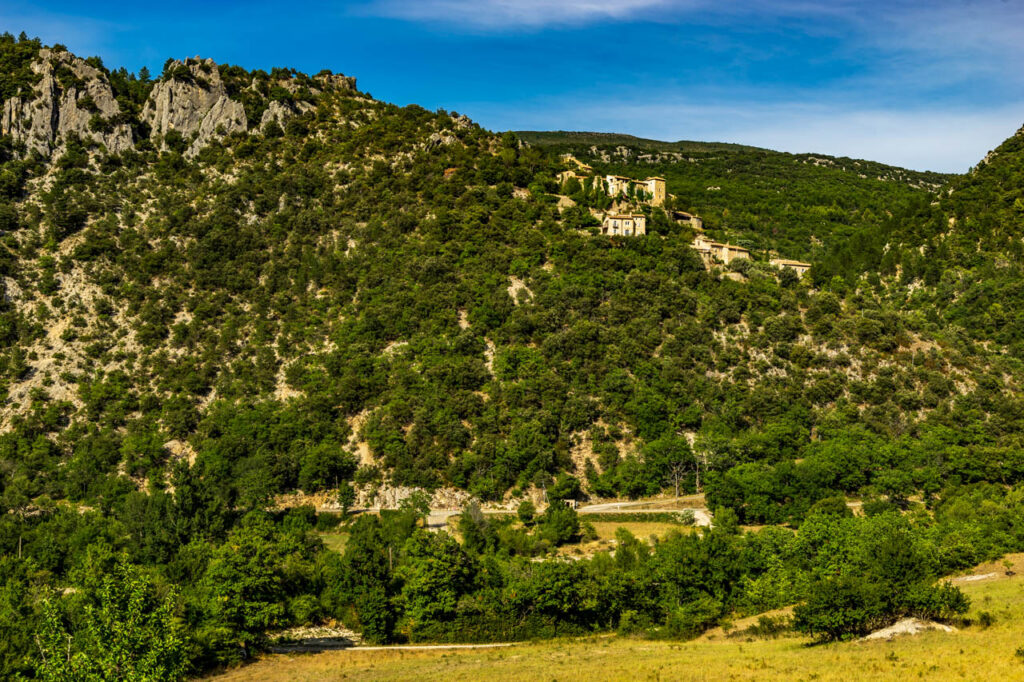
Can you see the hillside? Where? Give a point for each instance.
(223, 287)
(399, 287)
(569, 140)
(802, 206)
(967, 248)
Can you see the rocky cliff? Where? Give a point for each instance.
(71, 97)
(279, 112)
(194, 101)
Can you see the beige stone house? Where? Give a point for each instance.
(567, 174)
(654, 187)
(692, 220)
(617, 184)
(711, 252)
(796, 265)
(628, 224)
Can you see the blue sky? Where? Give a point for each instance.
(927, 85)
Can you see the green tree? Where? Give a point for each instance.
(437, 572)
(244, 587)
(843, 607)
(417, 504)
(559, 524)
(130, 633)
(346, 497)
(526, 511)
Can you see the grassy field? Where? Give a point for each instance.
(971, 653)
(334, 540)
(641, 529)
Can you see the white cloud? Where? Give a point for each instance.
(504, 14)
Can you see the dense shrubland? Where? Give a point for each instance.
(183, 340)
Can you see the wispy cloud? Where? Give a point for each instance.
(513, 14)
(924, 85)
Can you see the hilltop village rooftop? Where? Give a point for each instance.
(649, 190)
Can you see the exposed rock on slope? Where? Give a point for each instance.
(71, 97)
(224, 117)
(337, 81)
(907, 626)
(279, 112)
(196, 103)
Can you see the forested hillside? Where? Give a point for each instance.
(288, 285)
(801, 206)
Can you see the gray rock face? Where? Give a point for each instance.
(224, 117)
(73, 97)
(438, 140)
(199, 105)
(337, 82)
(56, 110)
(279, 112)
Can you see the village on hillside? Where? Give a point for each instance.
(652, 192)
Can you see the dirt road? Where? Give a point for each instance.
(438, 518)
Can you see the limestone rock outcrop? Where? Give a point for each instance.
(224, 117)
(279, 112)
(71, 97)
(74, 97)
(336, 81)
(194, 101)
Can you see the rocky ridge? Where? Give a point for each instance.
(71, 97)
(194, 101)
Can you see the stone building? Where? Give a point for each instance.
(628, 224)
(585, 177)
(653, 188)
(692, 220)
(617, 184)
(796, 265)
(711, 252)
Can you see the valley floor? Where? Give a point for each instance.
(971, 653)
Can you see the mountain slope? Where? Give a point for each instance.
(967, 248)
(802, 206)
(394, 295)
(221, 287)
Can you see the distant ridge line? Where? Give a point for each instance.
(556, 137)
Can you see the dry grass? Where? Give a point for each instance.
(334, 540)
(972, 653)
(641, 529)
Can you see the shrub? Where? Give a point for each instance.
(692, 619)
(559, 524)
(843, 607)
(526, 511)
(632, 623)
